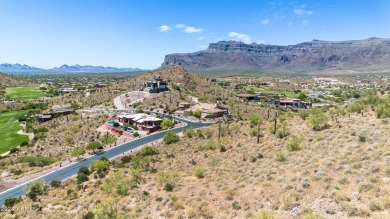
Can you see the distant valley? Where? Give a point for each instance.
(315, 57)
(18, 69)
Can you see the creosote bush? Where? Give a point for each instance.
(200, 172)
(293, 143)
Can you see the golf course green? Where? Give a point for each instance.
(23, 93)
(9, 126)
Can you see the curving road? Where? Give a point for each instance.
(69, 171)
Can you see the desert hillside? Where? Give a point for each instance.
(340, 170)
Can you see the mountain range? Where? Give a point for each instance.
(356, 56)
(25, 69)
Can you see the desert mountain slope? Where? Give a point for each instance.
(370, 55)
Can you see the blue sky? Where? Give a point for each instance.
(49, 33)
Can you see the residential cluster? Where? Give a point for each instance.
(127, 123)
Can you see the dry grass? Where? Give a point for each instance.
(332, 175)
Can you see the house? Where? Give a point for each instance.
(184, 105)
(100, 85)
(290, 103)
(48, 115)
(249, 97)
(157, 86)
(68, 90)
(143, 121)
(210, 110)
(43, 118)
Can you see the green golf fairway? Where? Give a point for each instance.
(8, 128)
(24, 93)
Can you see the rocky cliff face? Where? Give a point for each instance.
(370, 55)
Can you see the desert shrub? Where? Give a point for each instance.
(189, 132)
(39, 160)
(281, 129)
(84, 170)
(136, 134)
(199, 172)
(208, 133)
(166, 123)
(110, 209)
(168, 179)
(55, 183)
(356, 107)
(209, 145)
(375, 206)
(108, 139)
(16, 171)
(24, 143)
(254, 132)
(140, 162)
(126, 159)
(88, 215)
(293, 143)
(255, 119)
(168, 187)
(81, 177)
(13, 150)
(304, 114)
(118, 183)
(262, 214)
(35, 188)
(280, 156)
(10, 202)
(364, 187)
(318, 119)
(362, 138)
(197, 113)
(148, 151)
(76, 152)
(170, 137)
(95, 145)
(383, 110)
(101, 167)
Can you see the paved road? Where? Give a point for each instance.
(68, 171)
(117, 102)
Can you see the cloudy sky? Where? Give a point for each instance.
(139, 33)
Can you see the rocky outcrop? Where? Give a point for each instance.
(372, 54)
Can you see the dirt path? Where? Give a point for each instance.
(21, 132)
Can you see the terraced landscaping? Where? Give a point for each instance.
(9, 126)
(24, 93)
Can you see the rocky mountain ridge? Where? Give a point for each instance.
(369, 55)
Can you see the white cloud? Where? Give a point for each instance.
(301, 11)
(305, 22)
(189, 29)
(243, 37)
(261, 42)
(265, 22)
(165, 28)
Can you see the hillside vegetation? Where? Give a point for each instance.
(330, 163)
